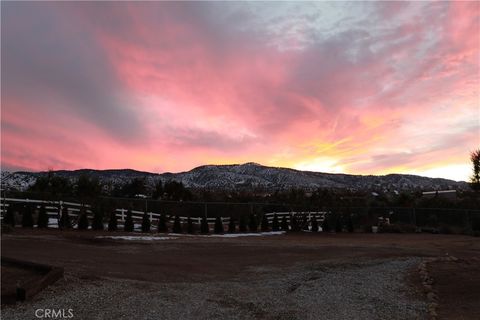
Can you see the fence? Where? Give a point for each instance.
(461, 219)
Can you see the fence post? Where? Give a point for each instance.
(122, 213)
(150, 214)
(206, 214)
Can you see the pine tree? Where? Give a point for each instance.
(97, 223)
(265, 226)
(9, 218)
(190, 226)
(27, 217)
(326, 224)
(242, 227)
(275, 224)
(294, 223)
(204, 226)
(65, 219)
(252, 223)
(128, 226)
(177, 227)
(284, 223)
(162, 223)
(314, 223)
(218, 229)
(113, 222)
(42, 221)
(145, 222)
(231, 225)
(83, 220)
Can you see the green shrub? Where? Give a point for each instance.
(9, 218)
(231, 225)
(162, 224)
(128, 226)
(275, 223)
(284, 223)
(42, 220)
(64, 222)
(97, 223)
(177, 226)
(27, 216)
(338, 223)
(83, 220)
(190, 226)
(113, 222)
(204, 226)
(350, 227)
(265, 226)
(326, 224)
(252, 223)
(294, 223)
(218, 228)
(314, 223)
(145, 222)
(242, 227)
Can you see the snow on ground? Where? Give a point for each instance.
(137, 238)
(232, 235)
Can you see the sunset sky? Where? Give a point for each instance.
(361, 88)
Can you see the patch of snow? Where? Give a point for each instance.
(137, 238)
(232, 235)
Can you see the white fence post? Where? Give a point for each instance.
(123, 218)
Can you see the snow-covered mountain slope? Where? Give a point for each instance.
(246, 176)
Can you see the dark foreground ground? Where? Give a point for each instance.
(294, 276)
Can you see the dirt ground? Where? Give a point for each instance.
(203, 259)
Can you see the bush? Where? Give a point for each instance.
(42, 220)
(338, 223)
(265, 225)
(190, 226)
(350, 227)
(204, 226)
(294, 223)
(275, 224)
(27, 217)
(97, 223)
(242, 227)
(9, 218)
(218, 226)
(128, 226)
(252, 223)
(113, 222)
(177, 226)
(314, 223)
(326, 224)
(284, 223)
(162, 224)
(83, 220)
(231, 225)
(65, 219)
(145, 222)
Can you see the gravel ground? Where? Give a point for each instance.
(369, 290)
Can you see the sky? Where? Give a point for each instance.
(352, 87)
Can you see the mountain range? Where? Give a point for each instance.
(248, 176)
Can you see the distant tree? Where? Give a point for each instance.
(204, 226)
(475, 179)
(265, 226)
(231, 225)
(9, 218)
(113, 222)
(52, 185)
(27, 216)
(284, 223)
(218, 228)
(158, 193)
(145, 222)
(42, 220)
(177, 226)
(162, 223)
(87, 187)
(275, 223)
(242, 227)
(64, 222)
(83, 220)
(252, 223)
(128, 226)
(314, 223)
(97, 223)
(190, 226)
